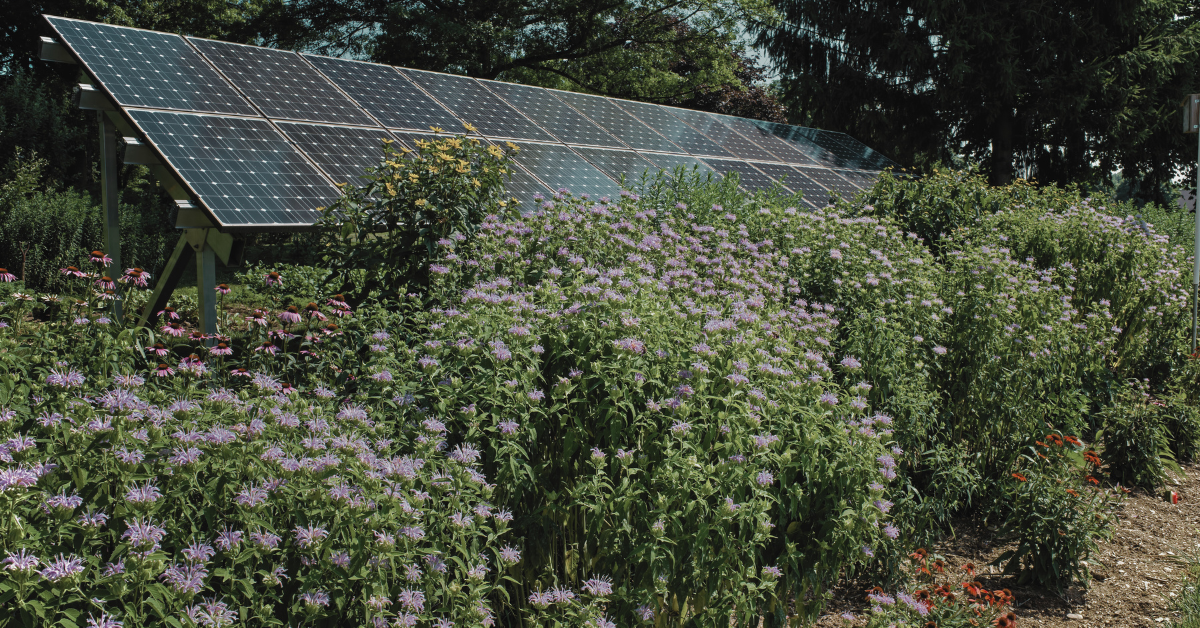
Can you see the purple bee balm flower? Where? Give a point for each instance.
(765, 478)
(645, 613)
(681, 428)
(113, 569)
(412, 600)
(228, 539)
(891, 531)
(21, 561)
(314, 599)
(145, 494)
(199, 552)
(508, 427)
(940, 350)
(868, 552)
(63, 377)
(828, 398)
(265, 540)
(341, 559)
(510, 555)
(143, 534)
(465, 453)
(307, 536)
(536, 395)
(851, 362)
(771, 573)
(93, 519)
(63, 501)
(103, 621)
(62, 567)
(185, 578)
(600, 586)
(382, 376)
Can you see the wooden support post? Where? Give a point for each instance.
(206, 288)
(110, 197)
(170, 277)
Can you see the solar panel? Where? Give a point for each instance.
(474, 104)
(660, 119)
(148, 69)
(852, 153)
(863, 179)
(794, 137)
(784, 151)
(553, 115)
(749, 178)
(711, 127)
(386, 94)
(342, 152)
(618, 163)
(618, 122)
(559, 167)
(797, 181)
(281, 84)
(670, 162)
(523, 186)
(241, 169)
(782, 173)
(830, 181)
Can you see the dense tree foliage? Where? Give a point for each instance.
(1057, 90)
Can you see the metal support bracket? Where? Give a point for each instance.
(110, 197)
(52, 50)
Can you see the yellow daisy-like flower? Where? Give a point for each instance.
(390, 190)
(495, 151)
(512, 146)
(455, 142)
(469, 127)
(476, 182)
(420, 202)
(437, 129)
(387, 141)
(444, 157)
(340, 185)
(422, 143)
(503, 203)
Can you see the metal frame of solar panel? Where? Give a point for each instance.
(250, 139)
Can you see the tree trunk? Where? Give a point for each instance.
(1002, 149)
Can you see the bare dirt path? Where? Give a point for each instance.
(1136, 576)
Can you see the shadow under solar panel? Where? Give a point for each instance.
(281, 83)
(386, 94)
(148, 69)
(241, 169)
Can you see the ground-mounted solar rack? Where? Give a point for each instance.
(249, 139)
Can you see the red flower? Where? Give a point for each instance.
(1019, 477)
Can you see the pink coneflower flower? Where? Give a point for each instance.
(241, 372)
(137, 277)
(170, 313)
(258, 318)
(173, 329)
(106, 283)
(222, 288)
(6, 276)
(268, 346)
(221, 349)
(291, 314)
(198, 336)
(273, 279)
(163, 371)
(108, 295)
(314, 312)
(72, 271)
(158, 349)
(98, 257)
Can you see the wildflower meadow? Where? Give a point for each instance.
(680, 406)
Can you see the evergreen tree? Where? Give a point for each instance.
(1060, 90)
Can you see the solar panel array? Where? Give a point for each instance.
(260, 135)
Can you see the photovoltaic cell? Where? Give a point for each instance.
(671, 162)
(784, 151)
(685, 137)
(618, 163)
(798, 141)
(475, 105)
(148, 69)
(861, 178)
(241, 169)
(386, 94)
(344, 153)
(618, 122)
(281, 83)
(797, 181)
(559, 167)
(779, 172)
(553, 115)
(711, 127)
(749, 178)
(831, 181)
(523, 186)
